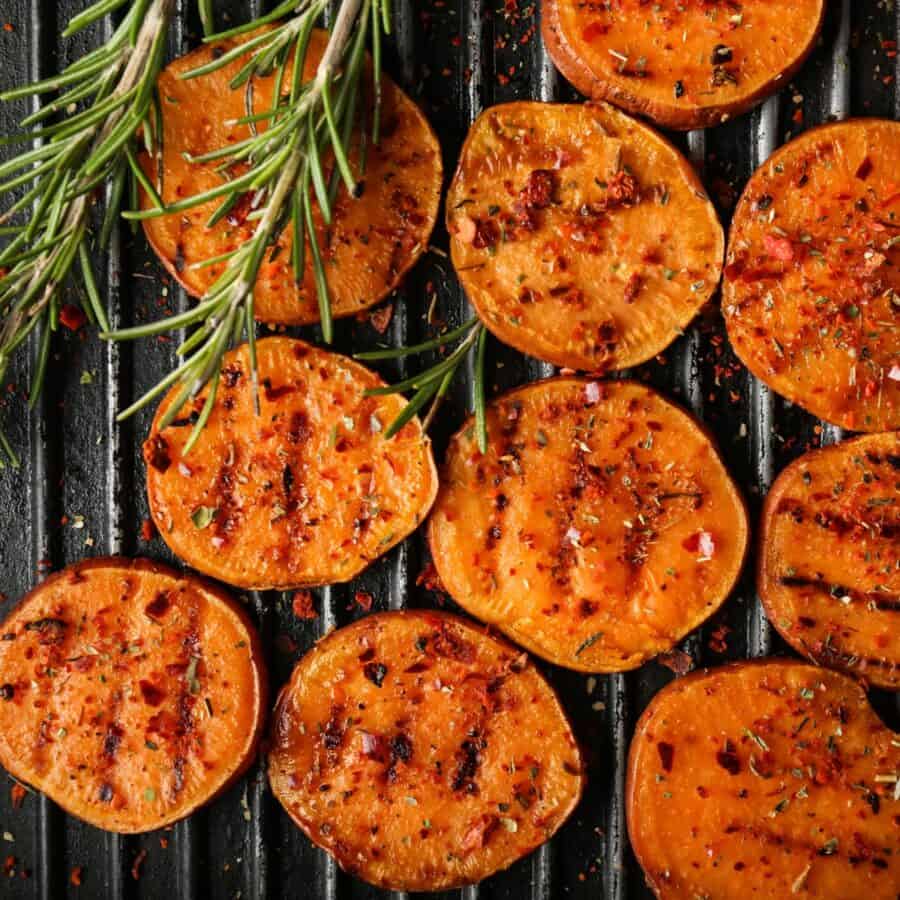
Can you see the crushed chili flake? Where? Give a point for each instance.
(75, 876)
(430, 580)
(677, 660)
(303, 606)
(72, 317)
(778, 247)
(364, 600)
(380, 318)
(136, 865)
(148, 530)
(17, 795)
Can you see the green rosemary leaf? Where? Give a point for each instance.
(207, 19)
(90, 285)
(480, 412)
(422, 396)
(401, 352)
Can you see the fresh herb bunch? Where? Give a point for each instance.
(283, 173)
(83, 142)
(432, 384)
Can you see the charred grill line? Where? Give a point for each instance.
(884, 601)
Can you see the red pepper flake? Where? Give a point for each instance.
(779, 247)
(666, 755)
(430, 580)
(700, 542)
(717, 640)
(303, 606)
(17, 795)
(677, 660)
(148, 530)
(865, 169)
(72, 317)
(9, 866)
(8, 27)
(380, 318)
(136, 865)
(75, 876)
(364, 600)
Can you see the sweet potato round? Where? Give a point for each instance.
(768, 779)
(810, 295)
(373, 240)
(131, 694)
(581, 236)
(685, 64)
(598, 530)
(422, 752)
(829, 557)
(308, 491)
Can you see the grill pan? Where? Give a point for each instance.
(80, 489)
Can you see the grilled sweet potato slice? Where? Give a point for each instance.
(810, 295)
(829, 558)
(581, 236)
(308, 491)
(131, 695)
(684, 63)
(422, 752)
(769, 779)
(599, 528)
(373, 240)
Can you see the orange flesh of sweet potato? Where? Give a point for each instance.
(684, 63)
(829, 563)
(810, 291)
(308, 492)
(599, 528)
(373, 240)
(131, 695)
(422, 752)
(581, 236)
(767, 779)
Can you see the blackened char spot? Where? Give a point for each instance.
(375, 672)
(156, 453)
(401, 749)
(158, 606)
(106, 792)
(51, 631)
(666, 755)
(275, 393)
(112, 739)
(728, 759)
(468, 761)
(152, 695)
(446, 643)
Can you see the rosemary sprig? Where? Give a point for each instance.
(432, 384)
(283, 174)
(82, 143)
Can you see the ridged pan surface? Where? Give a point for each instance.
(80, 490)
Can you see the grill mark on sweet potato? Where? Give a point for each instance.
(427, 761)
(884, 601)
(184, 707)
(371, 240)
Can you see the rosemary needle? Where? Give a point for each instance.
(431, 386)
(281, 168)
(82, 143)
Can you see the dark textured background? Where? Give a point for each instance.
(455, 58)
